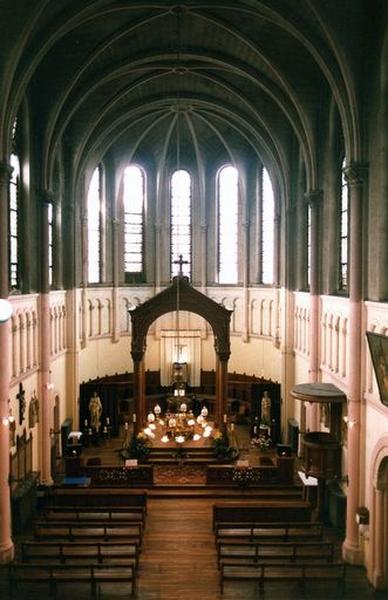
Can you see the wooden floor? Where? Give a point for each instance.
(178, 562)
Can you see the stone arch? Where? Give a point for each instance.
(190, 300)
(378, 565)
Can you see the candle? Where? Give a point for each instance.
(225, 418)
(126, 425)
(105, 430)
(134, 417)
(86, 423)
(232, 427)
(90, 431)
(107, 421)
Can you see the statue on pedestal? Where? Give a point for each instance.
(95, 409)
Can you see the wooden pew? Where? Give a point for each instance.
(133, 527)
(104, 513)
(271, 510)
(267, 530)
(285, 572)
(254, 552)
(64, 552)
(21, 573)
(94, 497)
(83, 531)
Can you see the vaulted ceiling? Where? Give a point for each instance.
(228, 79)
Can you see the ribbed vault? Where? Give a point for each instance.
(111, 77)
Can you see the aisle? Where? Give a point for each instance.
(178, 559)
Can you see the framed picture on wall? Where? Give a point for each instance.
(378, 346)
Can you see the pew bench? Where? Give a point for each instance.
(96, 497)
(83, 531)
(285, 572)
(267, 530)
(135, 513)
(133, 527)
(292, 511)
(32, 573)
(64, 552)
(255, 552)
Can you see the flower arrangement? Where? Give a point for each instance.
(262, 442)
(245, 476)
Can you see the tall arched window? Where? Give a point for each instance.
(134, 198)
(181, 221)
(308, 218)
(50, 242)
(94, 227)
(228, 225)
(344, 233)
(14, 190)
(267, 230)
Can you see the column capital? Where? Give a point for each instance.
(314, 197)
(5, 171)
(355, 173)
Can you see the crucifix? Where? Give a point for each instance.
(21, 396)
(181, 262)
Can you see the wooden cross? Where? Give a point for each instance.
(181, 262)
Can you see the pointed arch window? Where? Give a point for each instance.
(134, 200)
(227, 193)
(181, 221)
(267, 230)
(344, 233)
(14, 192)
(308, 218)
(94, 205)
(50, 214)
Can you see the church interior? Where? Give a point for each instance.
(193, 299)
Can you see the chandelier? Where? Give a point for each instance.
(178, 425)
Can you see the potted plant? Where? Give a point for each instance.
(139, 447)
(222, 451)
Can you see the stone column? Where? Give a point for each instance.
(354, 174)
(378, 534)
(221, 391)
(138, 392)
(245, 281)
(204, 229)
(45, 345)
(314, 199)
(6, 543)
(115, 287)
(158, 241)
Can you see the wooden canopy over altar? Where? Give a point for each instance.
(190, 300)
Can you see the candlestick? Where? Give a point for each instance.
(86, 423)
(126, 425)
(225, 418)
(134, 417)
(232, 427)
(107, 421)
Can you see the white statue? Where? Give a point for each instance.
(265, 418)
(95, 409)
